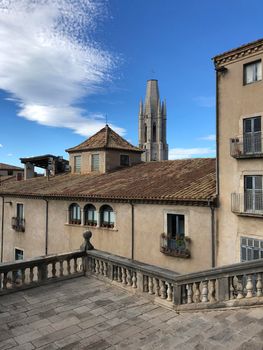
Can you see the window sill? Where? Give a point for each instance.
(253, 215)
(252, 82)
(92, 227)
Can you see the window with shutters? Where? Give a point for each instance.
(253, 202)
(77, 164)
(74, 214)
(107, 216)
(18, 221)
(252, 72)
(90, 215)
(95, 162)
(252, 135)
(251, 249)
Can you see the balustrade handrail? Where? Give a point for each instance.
(21, 264)
(224, 271)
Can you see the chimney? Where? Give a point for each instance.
(19, 176)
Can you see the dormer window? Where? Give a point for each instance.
(95, 162)
(77, 164)
(252, 72)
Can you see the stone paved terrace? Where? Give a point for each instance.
(85, 313)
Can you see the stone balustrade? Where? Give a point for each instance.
(34, 272)
(234, 285)
(227, 286)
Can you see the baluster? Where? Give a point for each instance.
(134, 280)
(169, 291)
(249, 287)
(150, 285)
(61, 269)
(197, 292)
(31, 275)
(101, 267)
(204, 292)
(157, 287)
(129, 278)
(5, 280)
(163, 290)
(13, 274)
(189, 293)
(119, 274)
(259, 285)
(97, 267)
(231, 288)
(212, 291)
(68, 266)
(184, 294)
(240, 294)
(23, 276)
(115, 273)
(75, 266)
(123, 273)
(105, 269)
(53, 270)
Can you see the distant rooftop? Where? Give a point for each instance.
(177, 180)
(4, 166)
(106, 138)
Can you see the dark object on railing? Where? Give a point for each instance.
(107, 224)
(91, 223)
(74, 222)
(175, 247)
(248, 146)
(87, 245)
(18, 224)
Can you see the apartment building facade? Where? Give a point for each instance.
(239, 106)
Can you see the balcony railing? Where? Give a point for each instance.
(18, 224)
(175, 247)
(247, 203)
(250, 146)
(228, 286)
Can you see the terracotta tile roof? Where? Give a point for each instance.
(4, 166)
(7, 178)
(106, 138)
(185, 180)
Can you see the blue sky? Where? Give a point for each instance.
(66, 64)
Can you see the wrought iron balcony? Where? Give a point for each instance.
(18, 224)
(175, 247)
(247, 203)
(249, 146)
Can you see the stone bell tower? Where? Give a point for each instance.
(152, 125)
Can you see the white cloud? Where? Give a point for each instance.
(211, 137)
(1, 145)
(180, 153)
(48, 61)
(205, 101)
(10, 154)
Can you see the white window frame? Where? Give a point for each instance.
(256, 67)
(176, 212)
(251, 247)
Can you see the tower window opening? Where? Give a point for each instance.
(154, 132)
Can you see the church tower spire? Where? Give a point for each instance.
(152, 124)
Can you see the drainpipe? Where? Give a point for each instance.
(46, 239)
(212, 208)
(132, 230)
(2, 229)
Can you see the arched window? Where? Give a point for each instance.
(145, 133)
(107, 216)
(74, 214)
(90, 215)
(154, 132)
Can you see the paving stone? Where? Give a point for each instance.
(68, 315)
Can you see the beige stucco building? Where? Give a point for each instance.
(160, 213)
(239, 153)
